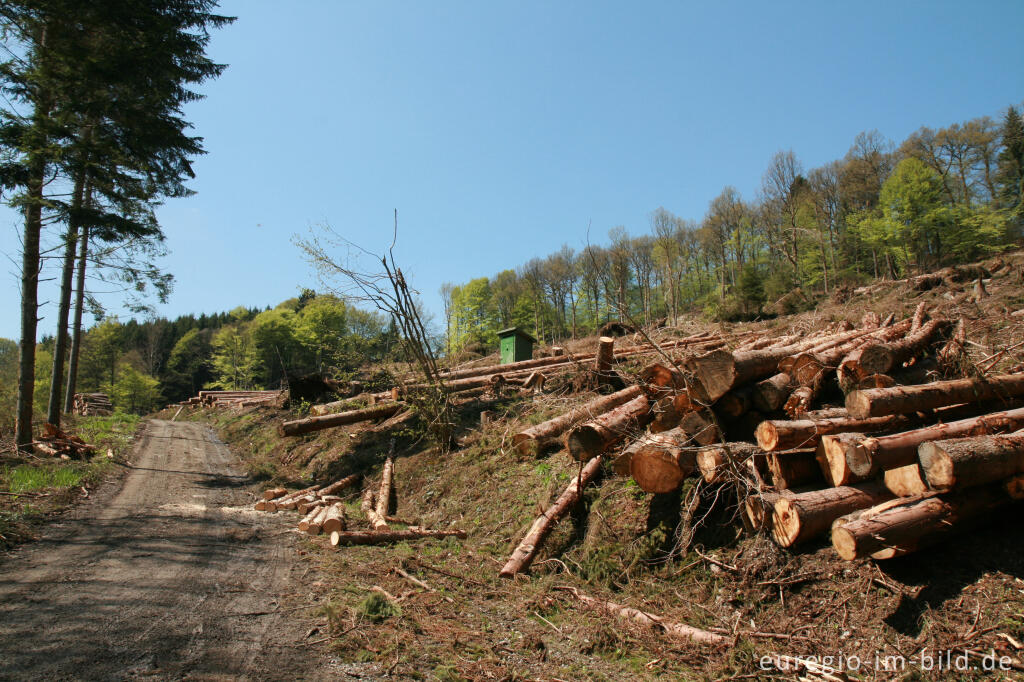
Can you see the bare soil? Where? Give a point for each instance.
(163, 574)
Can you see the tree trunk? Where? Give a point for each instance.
(334, 520)
(300, 426)
(902, 529)
(594, 437)
(540, 436)
(801, 517)
(905, 481)
(869, 456)
(966, 462)
(759, 508)
(714, 461)
(367, 505)
(876, 402)
(881, 358)
(806, 433)
(274, 493)
(357, 537)
(340, 484)
(833, 459)
(605, 356)
(525, 553)
(659, 463)
(386, 480)
(770, 394)
(735, 403)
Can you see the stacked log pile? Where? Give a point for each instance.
(232, 399)
(896, 468)
(92, 404)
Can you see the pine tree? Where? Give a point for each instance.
(1010, 172)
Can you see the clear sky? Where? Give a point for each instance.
(501, 130)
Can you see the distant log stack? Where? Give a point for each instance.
(92, 404)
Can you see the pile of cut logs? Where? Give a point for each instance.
(92, 404)
(53, 442)
(895, 469)
(322, 511)
(232, 398)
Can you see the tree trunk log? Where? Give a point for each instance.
(525, 553)
(375, 519)
(877, 402)
(905, 481)
(834, 461)
(340, 484)
(386, 481)
(596, 436)
(806, 433)
(966, 462)
(759, 508)
(872, 455)
(659, 463)
(357, 537)
(701, 427)
(881, 358)
(917, 523)
(299, 426)
(605, 355)
(334, 519)
(807, 515)
(714, 461)
(540, 436)
(770, 394)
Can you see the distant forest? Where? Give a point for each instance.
(144, 365)
(882, 211)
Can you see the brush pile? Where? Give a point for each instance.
(53, 442)
(904, 462)
(92, 404)
(322, 511)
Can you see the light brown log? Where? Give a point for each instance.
(605, 355)
(260, 506)
(294, 502)
(357, 537)
(876, 402)
(668, 410)
(659, 463)
(881, 358)
(331, 407)
(597, 435)
(535, 439)
(770, 394)
(832, 458)
(375, 519)
(759, 508)
(713, 461)
(308, 519)
(300, 426)
(334, 520)
(802, 399)
(317, 524)
(917, 523)
(291, 496)
(905, 481)
(793, 468)
(869, 456)
(779, 434)
(306, 507)
(965, 462)
(870, 320)
(653, 622)
(386, 480)
(920, 316)
(736, 402)
(525, 553)
(340, 484)
(656, 376)
(802, 517)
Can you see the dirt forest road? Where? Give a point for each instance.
(167, 575)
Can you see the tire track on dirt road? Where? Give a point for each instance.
(160, 577)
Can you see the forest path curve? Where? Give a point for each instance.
(168, 575)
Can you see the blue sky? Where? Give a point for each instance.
(502, 130)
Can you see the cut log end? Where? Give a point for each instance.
(656, 471)
(844, 543)
(785, 523)
(767, 436)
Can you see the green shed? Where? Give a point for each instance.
(516, 345)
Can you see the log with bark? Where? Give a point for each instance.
(701, 427)
(715, 461)
(869, 456)
(877, 402)
(369, 509)
(833, 460)
(900, 529)
(736, 402)
(386, 481)
(605, 356)
(340, 484)
(651, 621)
(965, 462)
(535, 439)
(770, 394)
(334, 520)
(668, 410)
(777, 434)
(951, 355)
(383, 537)
(905, 481)
(882, 358)
(799, 518)
(274, 505)
(525, 553)
(597, 435)
(659, 463)
(298, 427)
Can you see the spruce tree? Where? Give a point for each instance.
(1010, 170)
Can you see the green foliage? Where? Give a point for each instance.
(377, 608)
(750, 288)
(134, 391)
(234, 359)
(30, 478)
